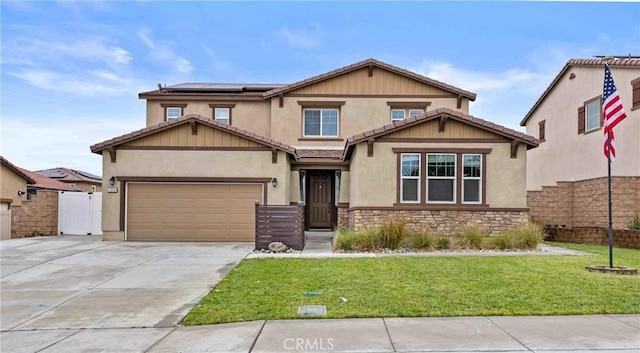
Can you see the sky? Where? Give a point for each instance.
(71, 71)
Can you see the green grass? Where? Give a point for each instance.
(261, 289)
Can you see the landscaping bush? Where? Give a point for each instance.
(635, 222)
(420, 240)
(366, 240)
(392, 230)
(443, 242)
(528, 235)
(504, 241)
(344, 240)
(472, 236)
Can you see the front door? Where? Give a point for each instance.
(320, 201)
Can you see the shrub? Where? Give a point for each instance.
(344, 240)
(366, 240)
(443, 242)
(472, 236)
(504, 241)
(635, 222)
(392, 230)
(421, 240)
(528, 235)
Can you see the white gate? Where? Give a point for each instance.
(80, 213)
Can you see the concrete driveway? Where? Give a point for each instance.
(66, 283)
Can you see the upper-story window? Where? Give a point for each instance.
(592, 113)
(403, 110)
(173, 110)
(320, 122)
(222, 113)
(635, 94)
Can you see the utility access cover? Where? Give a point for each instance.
(312, 310)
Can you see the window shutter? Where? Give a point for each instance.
(581, 120)
(541, 131)
(636, 95)
(601, 114)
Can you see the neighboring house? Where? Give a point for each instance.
(76, 178)
(13, 191)
(567, 173)
(354, 145)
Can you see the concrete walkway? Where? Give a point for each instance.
(577, 334)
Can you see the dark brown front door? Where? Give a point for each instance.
(320, 205)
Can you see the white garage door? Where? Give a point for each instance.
(191, 212)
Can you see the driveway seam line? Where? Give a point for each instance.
(257, 336)
(60, 340)
(624, 322)
(161, 339)
(509, 333)
(46, 311)
(386, 328)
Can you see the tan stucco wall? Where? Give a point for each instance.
(252, 116)
(345, 182)
(356, 116)
(246, 164)
(569, 156)
(10, 183)
(373, 180)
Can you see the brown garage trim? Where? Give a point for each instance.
(137, 179)
(9, 201)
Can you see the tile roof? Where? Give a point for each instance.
(596, 63)
(310, 153)
(99, 147)
(46, 183)
(70, 175)
(366, 63)
(433, 114)
(17, 170)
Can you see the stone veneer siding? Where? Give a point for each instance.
(623, 238)
(38, 216)
(585, 203)
(343, 217)
(444, 222)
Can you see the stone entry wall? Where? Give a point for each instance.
(623, 238)
(444, 222)
(585, 203)
(38, 216)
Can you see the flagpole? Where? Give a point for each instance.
(610, 202)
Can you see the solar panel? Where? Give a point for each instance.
(53, 173)
(88, 175)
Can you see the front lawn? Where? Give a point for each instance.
(261, 289)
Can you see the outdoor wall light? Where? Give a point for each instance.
(112, 181)
(274, 182)
(20, 192)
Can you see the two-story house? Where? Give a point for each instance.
(567, 173)
(354, 145)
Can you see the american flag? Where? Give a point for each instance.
(613, 113)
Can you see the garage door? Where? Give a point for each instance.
(191, 212)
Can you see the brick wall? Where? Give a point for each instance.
(343, 217)
(38, 216)
(585, 203)
(444, 222)
(623, 238)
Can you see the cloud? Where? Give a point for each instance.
(160, 51)
(300, 38)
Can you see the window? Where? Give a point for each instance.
(414, 112)
(441, 178)
(471, 178)
(222, 115)
(173, 112)
(320, 122)
(592, 115)
(397, 114)
(541, 130)
(410, 178)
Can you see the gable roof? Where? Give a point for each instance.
(99, 147)
(364, 64)
(595, 63)
(45, 183)
(16, 170)
(530, 141)
(70, 175)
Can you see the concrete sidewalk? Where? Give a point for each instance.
(578, 334)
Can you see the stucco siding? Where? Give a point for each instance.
(220, 164)
(505, 176)
(251, 116)
(10, 184)
(569, 156)
(356, 115)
